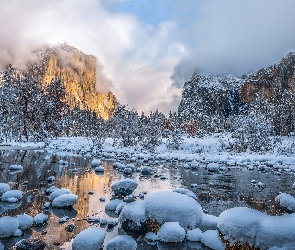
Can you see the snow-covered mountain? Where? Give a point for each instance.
(209, 98)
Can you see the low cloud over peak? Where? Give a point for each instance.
(145, 57)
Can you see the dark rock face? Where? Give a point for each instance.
(208, 98)
(31, 244)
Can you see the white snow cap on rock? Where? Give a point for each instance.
(248, 225)
(8, 226)
(16, 168)
(171, 232)
(89, 239)
(65, 200)
(95, 162)
(150, 236)
(134, 211)
(211, 239)
(122, 242)
(112, 205)
(125, 184)
(12, 196)
(58, 192)
(171, 206)
(287, 201)
(4, 188)
(40, 219)
(194, 235)
(186, 192)
(25, 221)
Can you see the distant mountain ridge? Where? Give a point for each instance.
(221, 96)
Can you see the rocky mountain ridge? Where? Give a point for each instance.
(221, 96)
(77, 71)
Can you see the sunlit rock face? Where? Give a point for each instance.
(78, 71)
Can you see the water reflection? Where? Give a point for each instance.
(216, 192)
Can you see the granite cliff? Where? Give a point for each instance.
(77, 71)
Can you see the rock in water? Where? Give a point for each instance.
(30, 244)
(89, 239)
(8, 226)
(122, 242)
(65, 200)
(171, 232)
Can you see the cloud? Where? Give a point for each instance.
(140, 56)
(237, 37)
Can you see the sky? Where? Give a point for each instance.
(147, 49)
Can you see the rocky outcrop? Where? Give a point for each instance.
(208, 99)
(264, 80)
(221, 93)
(78, 72)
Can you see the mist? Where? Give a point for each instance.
(146, 63)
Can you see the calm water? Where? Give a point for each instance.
(215, 191)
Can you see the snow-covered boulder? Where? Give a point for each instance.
(150, 236)
(40, 219)
(186, 192)
(171, 206)
(12, 196)
(25, 221)
(135, 211)
(124, 187)
(286, 200)
(209, 221)
(171, 232)
(130, 165)
(122, 242)
(16, 168)
(89, 239)
(18, 233)
(194, 235)
(99, 169)
(8, 226)
(112, 205)
(248, 225)
(213, 167)
(4, 188)
(211, 239)
(146, 170)
(65, 200)
(95, 162)
(59, 192)
(120, 207)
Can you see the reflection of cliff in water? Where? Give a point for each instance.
(38, 166)
(215, 191)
